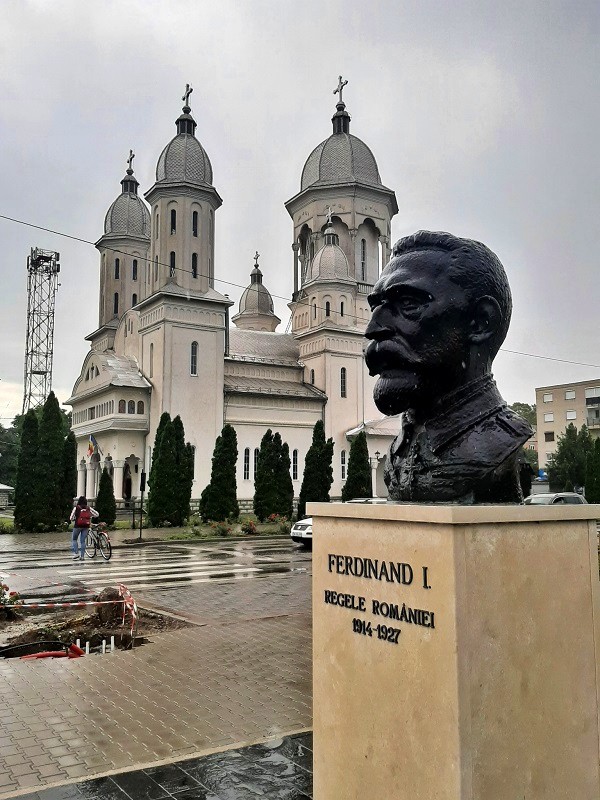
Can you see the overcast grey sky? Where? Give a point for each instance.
(483, 117)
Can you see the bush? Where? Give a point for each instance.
(249, 526)
(221, 528)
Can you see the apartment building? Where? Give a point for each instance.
(557, 406)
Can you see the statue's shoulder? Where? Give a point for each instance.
(513, 424)
(493, 439)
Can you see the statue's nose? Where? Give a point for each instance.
(375, 330)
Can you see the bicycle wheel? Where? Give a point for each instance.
(90, 545)
(105, 546)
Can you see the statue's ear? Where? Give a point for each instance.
(486, 320)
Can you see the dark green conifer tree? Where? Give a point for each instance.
(265, 488)
(218, 501)
(106, 505)
(164, 418)
(49, 487)
(358, 481)
(318, 472)
(284, 481)
(592, 474)
(69, 482)
(184, 474)
(566, 467)
(27, 513)
(162, 503)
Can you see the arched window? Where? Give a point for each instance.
(194, 265)
(156, 229)
(343, 464)
(117, 268)
(122, 406)
(172, 263)
(131, 407)
(155, 268)
(343, 382)
(194, 223)
(134, 299)
(314, 310)
(327, 308)
(363, 258)
(134, 270)
(256, 452)
(151, 370)
(247, 464)
(342, 309)
(174, 221)
(194, 358)
(140, 407)
(294, 465)
(116, 304)
(312, 377)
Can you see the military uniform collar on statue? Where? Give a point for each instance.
(449, 454)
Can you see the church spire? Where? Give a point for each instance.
(256, 275)
(186, 123)
(129, 182)
(341, 118)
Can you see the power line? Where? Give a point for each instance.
(241, 286)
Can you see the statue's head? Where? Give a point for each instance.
(441, 310)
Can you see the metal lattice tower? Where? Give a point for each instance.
(42, 284)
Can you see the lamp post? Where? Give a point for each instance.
(374, 461)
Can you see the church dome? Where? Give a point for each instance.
(128, 215)
(256, 304)
(343, 158)
(330, 262)
(184, 158)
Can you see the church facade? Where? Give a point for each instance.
(167, 340)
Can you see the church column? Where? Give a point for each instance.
(118, 479)
(90, 485)
(385, 251)
(295, 248)
(81, 479)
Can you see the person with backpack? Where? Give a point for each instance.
(82, 516)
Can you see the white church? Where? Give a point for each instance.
(167, 340)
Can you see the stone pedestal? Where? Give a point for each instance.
(455, 652)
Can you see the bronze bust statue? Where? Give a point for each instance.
(440, 312)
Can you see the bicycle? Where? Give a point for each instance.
(98, 539)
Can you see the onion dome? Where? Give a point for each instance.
(184, 159)
(256, 304)
(343, 158)
(128, 215)
(330, 262)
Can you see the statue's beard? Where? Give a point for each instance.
(398, 390)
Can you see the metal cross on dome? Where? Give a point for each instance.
(130, 159)
(256, 257)
(340, 86)
(186, 94)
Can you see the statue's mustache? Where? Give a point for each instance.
(389, 354)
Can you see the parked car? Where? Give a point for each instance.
(551, 498)
(302, 532)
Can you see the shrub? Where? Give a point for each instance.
(219, 499)
(221, 528)
(248, 526)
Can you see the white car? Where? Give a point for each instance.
(302, 532)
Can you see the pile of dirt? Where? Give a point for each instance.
(68, 626)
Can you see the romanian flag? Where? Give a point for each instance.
(93, 446)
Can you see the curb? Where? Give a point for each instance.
(251, 538)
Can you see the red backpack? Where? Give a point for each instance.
(83, 517)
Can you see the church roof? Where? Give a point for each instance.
(236, 384)
(124, 371)
(128, 214)
(342, 158)
(184, 159)
(330, 262)
(280, 348)
(386, 426)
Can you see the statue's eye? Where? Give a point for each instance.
(407, 301)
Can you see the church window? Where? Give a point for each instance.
(117, 268)
(342, 309)
(247, 464)
(151, 371)
(363, 258)
(131, 407)
(155, 268)
(134, 299)
(140, 407)
(294, 465)
(173, 221)
(122, 406)
(343, 464)
(116, 304)
(327, 309)
(343, 382)
(314, 310)
(194, 223)
(92, 412)
(312, 377)
(194, 265)
(134, 270)
(172, 263)
(194, 358)
(256, 452)
(156, 229)
(87, 375)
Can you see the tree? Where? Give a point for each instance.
(218, 501)
(184, 471)
(592, 474)
(164, 418)
(49, 486)
(27, 512)
(273, 487)
(318, 472)
(162, 503)
(358, 483)
(525, 410)
(69, 481)
(106, 505)
(566, 467)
